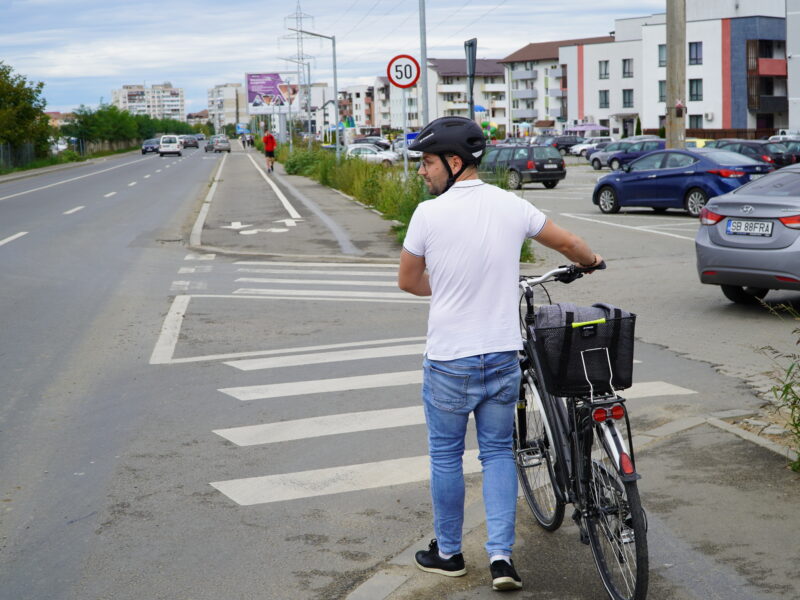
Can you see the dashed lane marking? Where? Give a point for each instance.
(72, 211)
(11, 238)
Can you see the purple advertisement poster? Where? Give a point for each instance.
(265, 91)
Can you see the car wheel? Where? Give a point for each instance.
(596, 165)
(583, 153)
(563, 151)
(607, 200)
(513, 180)
(695, 201)
(229, 150)
(160, 155)
(744, 295)
(550, 184)
(387, 163)
(180, 153)
(614, 164)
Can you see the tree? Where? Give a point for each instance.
(638, 130)
(22, 118)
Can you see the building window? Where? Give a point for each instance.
(602, 100)
(627, 67)
(662, 90)
(695, 53)
(695, 121)
(695, 89)
(627, 98)
(662, 55)
(603, 66)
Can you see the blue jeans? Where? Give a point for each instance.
(487, 385)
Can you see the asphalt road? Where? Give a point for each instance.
(197, 424)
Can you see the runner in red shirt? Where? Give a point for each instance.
(269, 150)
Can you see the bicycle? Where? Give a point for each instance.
(569, 450)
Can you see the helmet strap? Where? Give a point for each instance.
(451, 179)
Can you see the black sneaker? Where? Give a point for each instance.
(504, 576)
(430, 561)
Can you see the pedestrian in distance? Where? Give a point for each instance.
(269, 150)
(462, 249)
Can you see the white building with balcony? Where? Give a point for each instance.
(227, 105)
(160, 101)
(447, 89)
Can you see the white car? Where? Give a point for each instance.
(170, 144)
(580, 149)
(397, 146)
(372, 154)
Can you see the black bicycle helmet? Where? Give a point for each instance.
(452, 135)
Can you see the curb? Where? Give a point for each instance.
(394, 572)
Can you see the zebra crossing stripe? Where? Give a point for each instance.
(329, 265)
(321, 386)
(392, 284)
(335, 480)
(306, 272)
(300, 429)
(326, 293)
(317, 358)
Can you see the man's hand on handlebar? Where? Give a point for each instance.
(597, 264)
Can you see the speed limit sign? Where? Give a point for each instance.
(403, 71)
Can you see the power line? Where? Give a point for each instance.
(361, 20)
(468, 25)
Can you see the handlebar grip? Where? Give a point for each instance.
(597, 267)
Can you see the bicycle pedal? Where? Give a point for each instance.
(529, 458)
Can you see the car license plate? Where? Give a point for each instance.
(741, 227)
(755, 176)
(551, 166)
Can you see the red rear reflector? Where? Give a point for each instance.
(617, 412)
(787, 279)
(709, 272)
(792, 222)
(626, 464)
(726, 172)
(599, 415)
(768, 159)
(531, 165)
(708, 217)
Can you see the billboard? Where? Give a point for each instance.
(267, 93)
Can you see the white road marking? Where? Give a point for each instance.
(73, 210)
(286, 204)
(11, 238)
(185, 286)
(336, 480)
(295, 360)
(195, 256)
(158, 170)
(263, 263)
(285, 431)
(197, 269)
(392, 284)
(640, 229)
(44, 187)
(323, 386)
(326, 293)
(392, 273)
(109, 194)
(170, 330)
(197, 228)
(167, 166)
(131, 184)
(147, 176)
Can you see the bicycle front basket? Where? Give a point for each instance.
(591, 357)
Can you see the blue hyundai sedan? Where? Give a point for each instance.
(676, 179)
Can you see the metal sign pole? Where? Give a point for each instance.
(471, 48)
(405, 132)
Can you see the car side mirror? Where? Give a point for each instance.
(626, 168)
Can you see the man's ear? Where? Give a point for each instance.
(457, 163)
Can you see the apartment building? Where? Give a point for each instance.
(198, 118)
(382, 103)
(537, 86)
(736, 73)
(447, 89)
(160, 101)
(227, 105)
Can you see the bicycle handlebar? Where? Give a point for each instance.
(564, 274)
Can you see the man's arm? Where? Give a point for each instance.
(568, 244)
(411, 277)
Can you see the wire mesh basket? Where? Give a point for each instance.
(587, 358)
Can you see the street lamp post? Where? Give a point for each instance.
(308, 93)
(332, 38)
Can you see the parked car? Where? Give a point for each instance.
(373, 154)
(397, 146)
(676, 179)
(523, 163)
(189, 141)
(221, 144)
(784, 138)
(596, 148)
(209, 145)
(600, 159)
(170, 144)
(634, 151)
(150, 146)
(763, 150)
(380, 142)
(749, 239)
(201, 137)
(696, 142)
(563, 143)
(794, 149)
(591, 142)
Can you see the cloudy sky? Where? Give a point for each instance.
(82, 49)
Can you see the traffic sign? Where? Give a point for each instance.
(403, 71)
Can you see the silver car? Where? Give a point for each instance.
(373, 154)
(749, 239)
(600, 158)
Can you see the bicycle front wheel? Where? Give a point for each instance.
(617, 529)
(535, 458)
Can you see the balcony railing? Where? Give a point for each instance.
(459, 88)
(772, 67)
(773, 104)
(494, 87)
(524, 113)
(524, 94)
(556, 72)
(557, 93)
(532, 74)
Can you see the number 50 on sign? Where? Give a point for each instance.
(403, 71)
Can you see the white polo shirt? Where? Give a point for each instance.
(470, 237)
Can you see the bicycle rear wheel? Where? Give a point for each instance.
(617, 528)
(534, 460)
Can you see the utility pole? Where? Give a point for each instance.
(298, 18)
(423, 55)
(676, 73)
